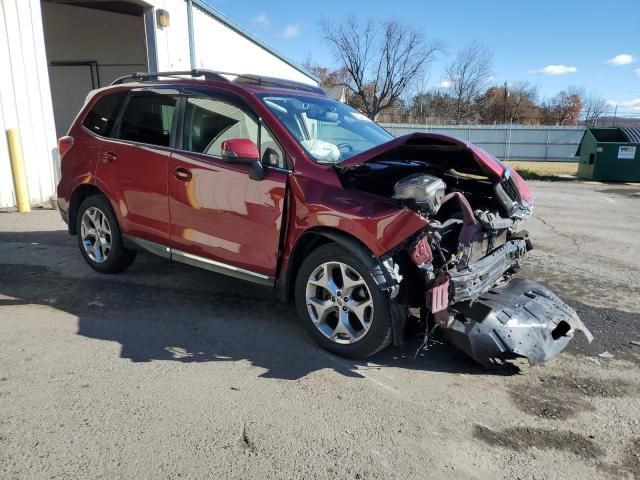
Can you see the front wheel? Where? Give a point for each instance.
(341, 304)
(99, 236)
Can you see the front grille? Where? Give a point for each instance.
(511, 188)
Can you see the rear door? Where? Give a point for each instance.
(219, 216)
(134, 164)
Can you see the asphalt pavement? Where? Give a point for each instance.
(166, 371)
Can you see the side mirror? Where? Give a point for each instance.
(244, 151)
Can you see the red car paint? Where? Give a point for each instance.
(208, 207)
(241, 148)
(134, 178)
(220, 213)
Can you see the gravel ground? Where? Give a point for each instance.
(170, 372)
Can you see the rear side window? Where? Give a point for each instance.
(102, 116)
(148, 118)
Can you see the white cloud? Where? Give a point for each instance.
(555, 70)
(290, 31)
(631, 104)
(622, 59)
(261, 19)
(446, 84)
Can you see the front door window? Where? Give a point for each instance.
(209, 122)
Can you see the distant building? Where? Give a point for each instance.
(53, 52)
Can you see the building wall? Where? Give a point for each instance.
(218, 47)
(25, 99)
(172, 42)
(113, 40)
(119, 45)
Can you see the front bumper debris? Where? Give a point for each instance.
(522, 318)
(481, 275)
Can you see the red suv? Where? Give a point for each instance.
(272, 182)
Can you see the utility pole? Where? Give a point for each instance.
(615, 112)
(505, 102)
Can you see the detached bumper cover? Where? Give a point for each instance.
(522, 318)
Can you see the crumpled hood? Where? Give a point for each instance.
(489, 164)
(486, 163)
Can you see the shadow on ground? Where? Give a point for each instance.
(159, 310)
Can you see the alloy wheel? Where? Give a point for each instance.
(339, 302)
(96, 234)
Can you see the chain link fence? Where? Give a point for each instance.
(508, 142)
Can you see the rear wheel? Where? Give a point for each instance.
(99, 236)
(341, 304)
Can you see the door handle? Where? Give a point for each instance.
(183, 174)
(108, 157)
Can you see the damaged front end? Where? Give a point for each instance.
(458, 271)
(521, 318)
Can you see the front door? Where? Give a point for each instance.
(220, 216)
(134, 164)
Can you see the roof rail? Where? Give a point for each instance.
(142, 76)
(274, 82)
(215, 75)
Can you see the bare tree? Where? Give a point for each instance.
(521, 101)
(326, 77)
(565, 107)
(467, 76)
(593, 107)
(382, 59)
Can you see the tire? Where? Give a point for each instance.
(110, 255)
(361, 330)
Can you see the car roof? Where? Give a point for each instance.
(203, 78)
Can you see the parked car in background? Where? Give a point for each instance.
(272, 182)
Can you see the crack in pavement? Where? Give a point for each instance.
(555, 230)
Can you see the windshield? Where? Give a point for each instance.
(328, 130)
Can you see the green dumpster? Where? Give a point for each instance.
(610, 154)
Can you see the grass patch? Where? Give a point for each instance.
(544, 170)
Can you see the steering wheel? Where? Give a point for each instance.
(345, 147)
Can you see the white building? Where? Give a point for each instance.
(53, 52)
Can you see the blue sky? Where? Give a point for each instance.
(573, 39)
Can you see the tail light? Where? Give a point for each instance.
(64, 144)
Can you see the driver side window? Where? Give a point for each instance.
(209, 122)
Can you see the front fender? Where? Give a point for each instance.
(379, 224)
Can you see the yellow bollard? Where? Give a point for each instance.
(17, 169)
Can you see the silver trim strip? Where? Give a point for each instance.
(201, 262)
(220, 267)
(151, 247)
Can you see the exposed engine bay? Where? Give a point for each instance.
(456, 275)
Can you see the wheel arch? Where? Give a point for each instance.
(79, 195)
(316, 237)
(306, 243)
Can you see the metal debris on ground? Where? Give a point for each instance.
(606, 355)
